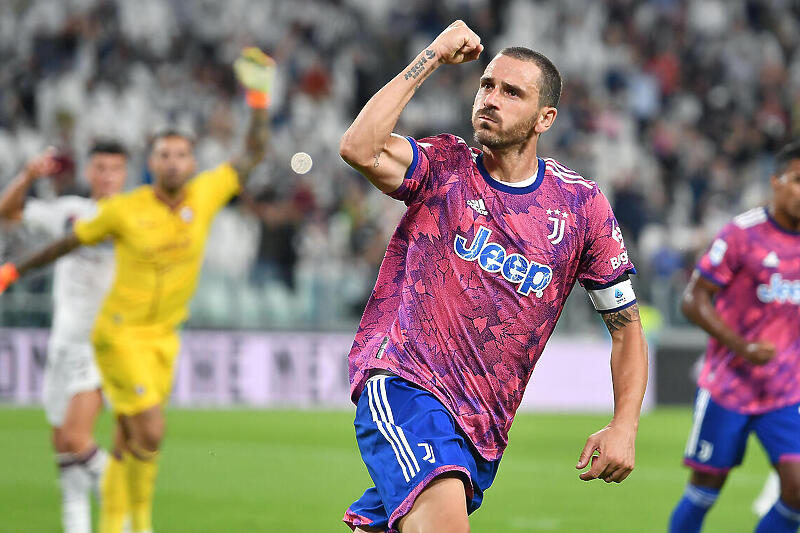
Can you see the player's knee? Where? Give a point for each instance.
(708, 480)
(148, 438)
(151, 438)
(70, 440)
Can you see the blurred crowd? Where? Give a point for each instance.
(674, 106)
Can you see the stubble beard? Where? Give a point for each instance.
(501, 139)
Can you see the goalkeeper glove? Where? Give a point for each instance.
(255, 70)
(8, 275)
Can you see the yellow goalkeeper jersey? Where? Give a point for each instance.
(158, 250)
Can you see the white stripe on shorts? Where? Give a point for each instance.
(700, 407)
(385, 411)
(373, 402)
(400, 432)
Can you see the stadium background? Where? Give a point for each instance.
(673, 106)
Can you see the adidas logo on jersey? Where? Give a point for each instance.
(478, 206)
(494, 259)
(779, 290)
(771, 261)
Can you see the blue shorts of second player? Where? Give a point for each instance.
(407, 438)
(719, 435)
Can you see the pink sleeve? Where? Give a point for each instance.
(430, 155)
(604, 257)
(720, 263)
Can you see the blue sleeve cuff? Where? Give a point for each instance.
(413, 166)
(710, 277)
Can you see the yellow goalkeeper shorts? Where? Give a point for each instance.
(136, 365)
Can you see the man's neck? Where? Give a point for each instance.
(784, 220)
(171, 199)
(512, 164)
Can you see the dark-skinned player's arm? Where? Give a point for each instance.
(369, 144)
(615, 443)
(9, 272)
(698, 306)
(255, 70)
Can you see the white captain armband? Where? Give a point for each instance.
(612, 297)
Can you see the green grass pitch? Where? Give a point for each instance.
(248, 470)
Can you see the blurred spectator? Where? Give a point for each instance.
(280, 215)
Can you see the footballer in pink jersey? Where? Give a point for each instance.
(745, 292)
(472, 284)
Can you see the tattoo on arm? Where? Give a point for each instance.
(418, 68)
(620, 319)
(255, 145)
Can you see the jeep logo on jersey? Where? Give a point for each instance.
(779, 290)
(494, 259)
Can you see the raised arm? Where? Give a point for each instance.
(255, 70)
(698, 306)
(369, 145)
(615, 444)
(12, 199)
(255, 145)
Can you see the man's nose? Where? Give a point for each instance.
(490, 100)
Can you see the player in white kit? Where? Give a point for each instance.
(71, 391)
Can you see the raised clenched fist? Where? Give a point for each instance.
(457, 44)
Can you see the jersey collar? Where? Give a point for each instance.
(778, 226)
(500, 186)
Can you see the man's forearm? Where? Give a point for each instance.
(628, 364)
(364, 141)
(12, 199)
(49, 254)
(255, 144)
(699, 308)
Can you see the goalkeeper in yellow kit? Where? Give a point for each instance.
(159, 234)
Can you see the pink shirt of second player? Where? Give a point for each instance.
(475, 278)
(756, 264)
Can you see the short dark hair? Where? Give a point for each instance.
(171, 132)
(107, 146)
(550, 89)
(785, 156)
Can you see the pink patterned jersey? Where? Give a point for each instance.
(474, 280)
(756, 264)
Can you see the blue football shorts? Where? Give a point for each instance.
(718, 438)
(407, 438)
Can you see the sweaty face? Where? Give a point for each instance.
(507, 103)
(106, 173)
(786, 191)
(172, 162)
